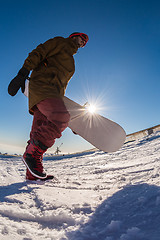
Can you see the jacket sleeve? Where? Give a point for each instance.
(40, 53)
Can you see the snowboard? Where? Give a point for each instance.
(101, 132)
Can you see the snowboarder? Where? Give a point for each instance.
(52, 65)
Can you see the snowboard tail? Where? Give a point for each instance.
(101, 132)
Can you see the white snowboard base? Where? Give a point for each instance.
(101, 132)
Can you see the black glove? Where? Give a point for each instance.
(18, 82)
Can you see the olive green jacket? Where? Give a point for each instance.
(53, 65)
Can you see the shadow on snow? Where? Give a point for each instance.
(15, 188)
(149, 139)
(132, 213)
(129, 214)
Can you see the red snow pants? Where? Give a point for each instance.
(50, 120)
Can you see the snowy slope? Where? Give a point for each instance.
(100, 196)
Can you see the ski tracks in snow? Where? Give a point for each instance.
(107, 196)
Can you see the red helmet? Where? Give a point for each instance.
(82, 35)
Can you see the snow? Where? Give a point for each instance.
(99, 196)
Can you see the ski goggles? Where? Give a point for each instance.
(82, 35)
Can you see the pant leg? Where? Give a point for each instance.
(38, 126)
(50, 120)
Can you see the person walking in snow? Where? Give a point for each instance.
(52, 65)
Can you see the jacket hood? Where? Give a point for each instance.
(73, 45)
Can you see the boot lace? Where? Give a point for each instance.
(37, 156)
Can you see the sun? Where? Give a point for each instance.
(91, 108)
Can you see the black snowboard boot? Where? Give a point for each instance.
(32, 158)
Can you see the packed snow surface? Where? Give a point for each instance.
(99, 196)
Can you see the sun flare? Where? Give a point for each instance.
(91, 108)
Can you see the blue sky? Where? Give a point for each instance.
(119, 68)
